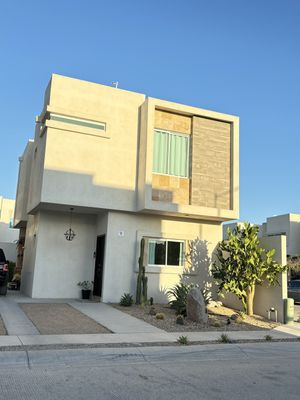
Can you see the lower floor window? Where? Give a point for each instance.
(165, 252)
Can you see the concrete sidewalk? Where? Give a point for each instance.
(127, 329)
(143, 338)
(113, 319)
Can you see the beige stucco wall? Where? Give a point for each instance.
(52, 265)
(49, 273)
(36, 171)
(23, 187)
(92, 170)
(122, 251)
(29, 255)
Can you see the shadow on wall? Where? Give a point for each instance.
(198, 269)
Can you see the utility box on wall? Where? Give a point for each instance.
(288, 311)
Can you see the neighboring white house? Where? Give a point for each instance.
(286, 224)
(113, 167)
(233, 225)
(8, 235)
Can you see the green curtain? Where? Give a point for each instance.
(178, 155)
(151, 252)
(170, 154)
(160, 152)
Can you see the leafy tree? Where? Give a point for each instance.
(242, 264)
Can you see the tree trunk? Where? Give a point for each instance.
(250, 297)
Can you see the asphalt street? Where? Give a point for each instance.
(225, 371)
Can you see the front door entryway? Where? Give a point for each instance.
(98, 277)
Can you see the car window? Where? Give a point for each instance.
(2, 256)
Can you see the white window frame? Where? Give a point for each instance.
(168, 155)
(154, 239)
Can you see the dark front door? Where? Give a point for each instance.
(99, 266)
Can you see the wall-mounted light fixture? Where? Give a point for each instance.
(70, 234)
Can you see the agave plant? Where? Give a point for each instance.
(178, 296)
(126, 300)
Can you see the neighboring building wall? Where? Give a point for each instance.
(267, 296)
(232, 226)
(288, 224)
(8, 235)
(293, 235)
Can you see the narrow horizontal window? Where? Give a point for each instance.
(165, 252)
(78, 121)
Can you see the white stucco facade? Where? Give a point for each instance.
(93, 152)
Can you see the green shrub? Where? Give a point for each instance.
(242, 314)
(268, 338)
(224, 338)
(160, 315)
(126, 300)
(183, 340)
(179, 293)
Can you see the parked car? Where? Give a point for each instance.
(3, 273)
(294, 290)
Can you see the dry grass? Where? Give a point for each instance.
(218, 319)
(59, 319)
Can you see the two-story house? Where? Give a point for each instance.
(114, 167)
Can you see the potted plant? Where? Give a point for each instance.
(86, 288)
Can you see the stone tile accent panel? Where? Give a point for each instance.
(171, 189)
(172, 122)
(211, 164)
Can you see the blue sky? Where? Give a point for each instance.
(234, 56)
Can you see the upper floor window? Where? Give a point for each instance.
(78, 121)
(171, 153)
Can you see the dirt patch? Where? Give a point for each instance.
(219, 319)
(2, 328)
(60, 319)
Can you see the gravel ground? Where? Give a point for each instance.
(2, 328)
(59, 319)
(217, 316)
